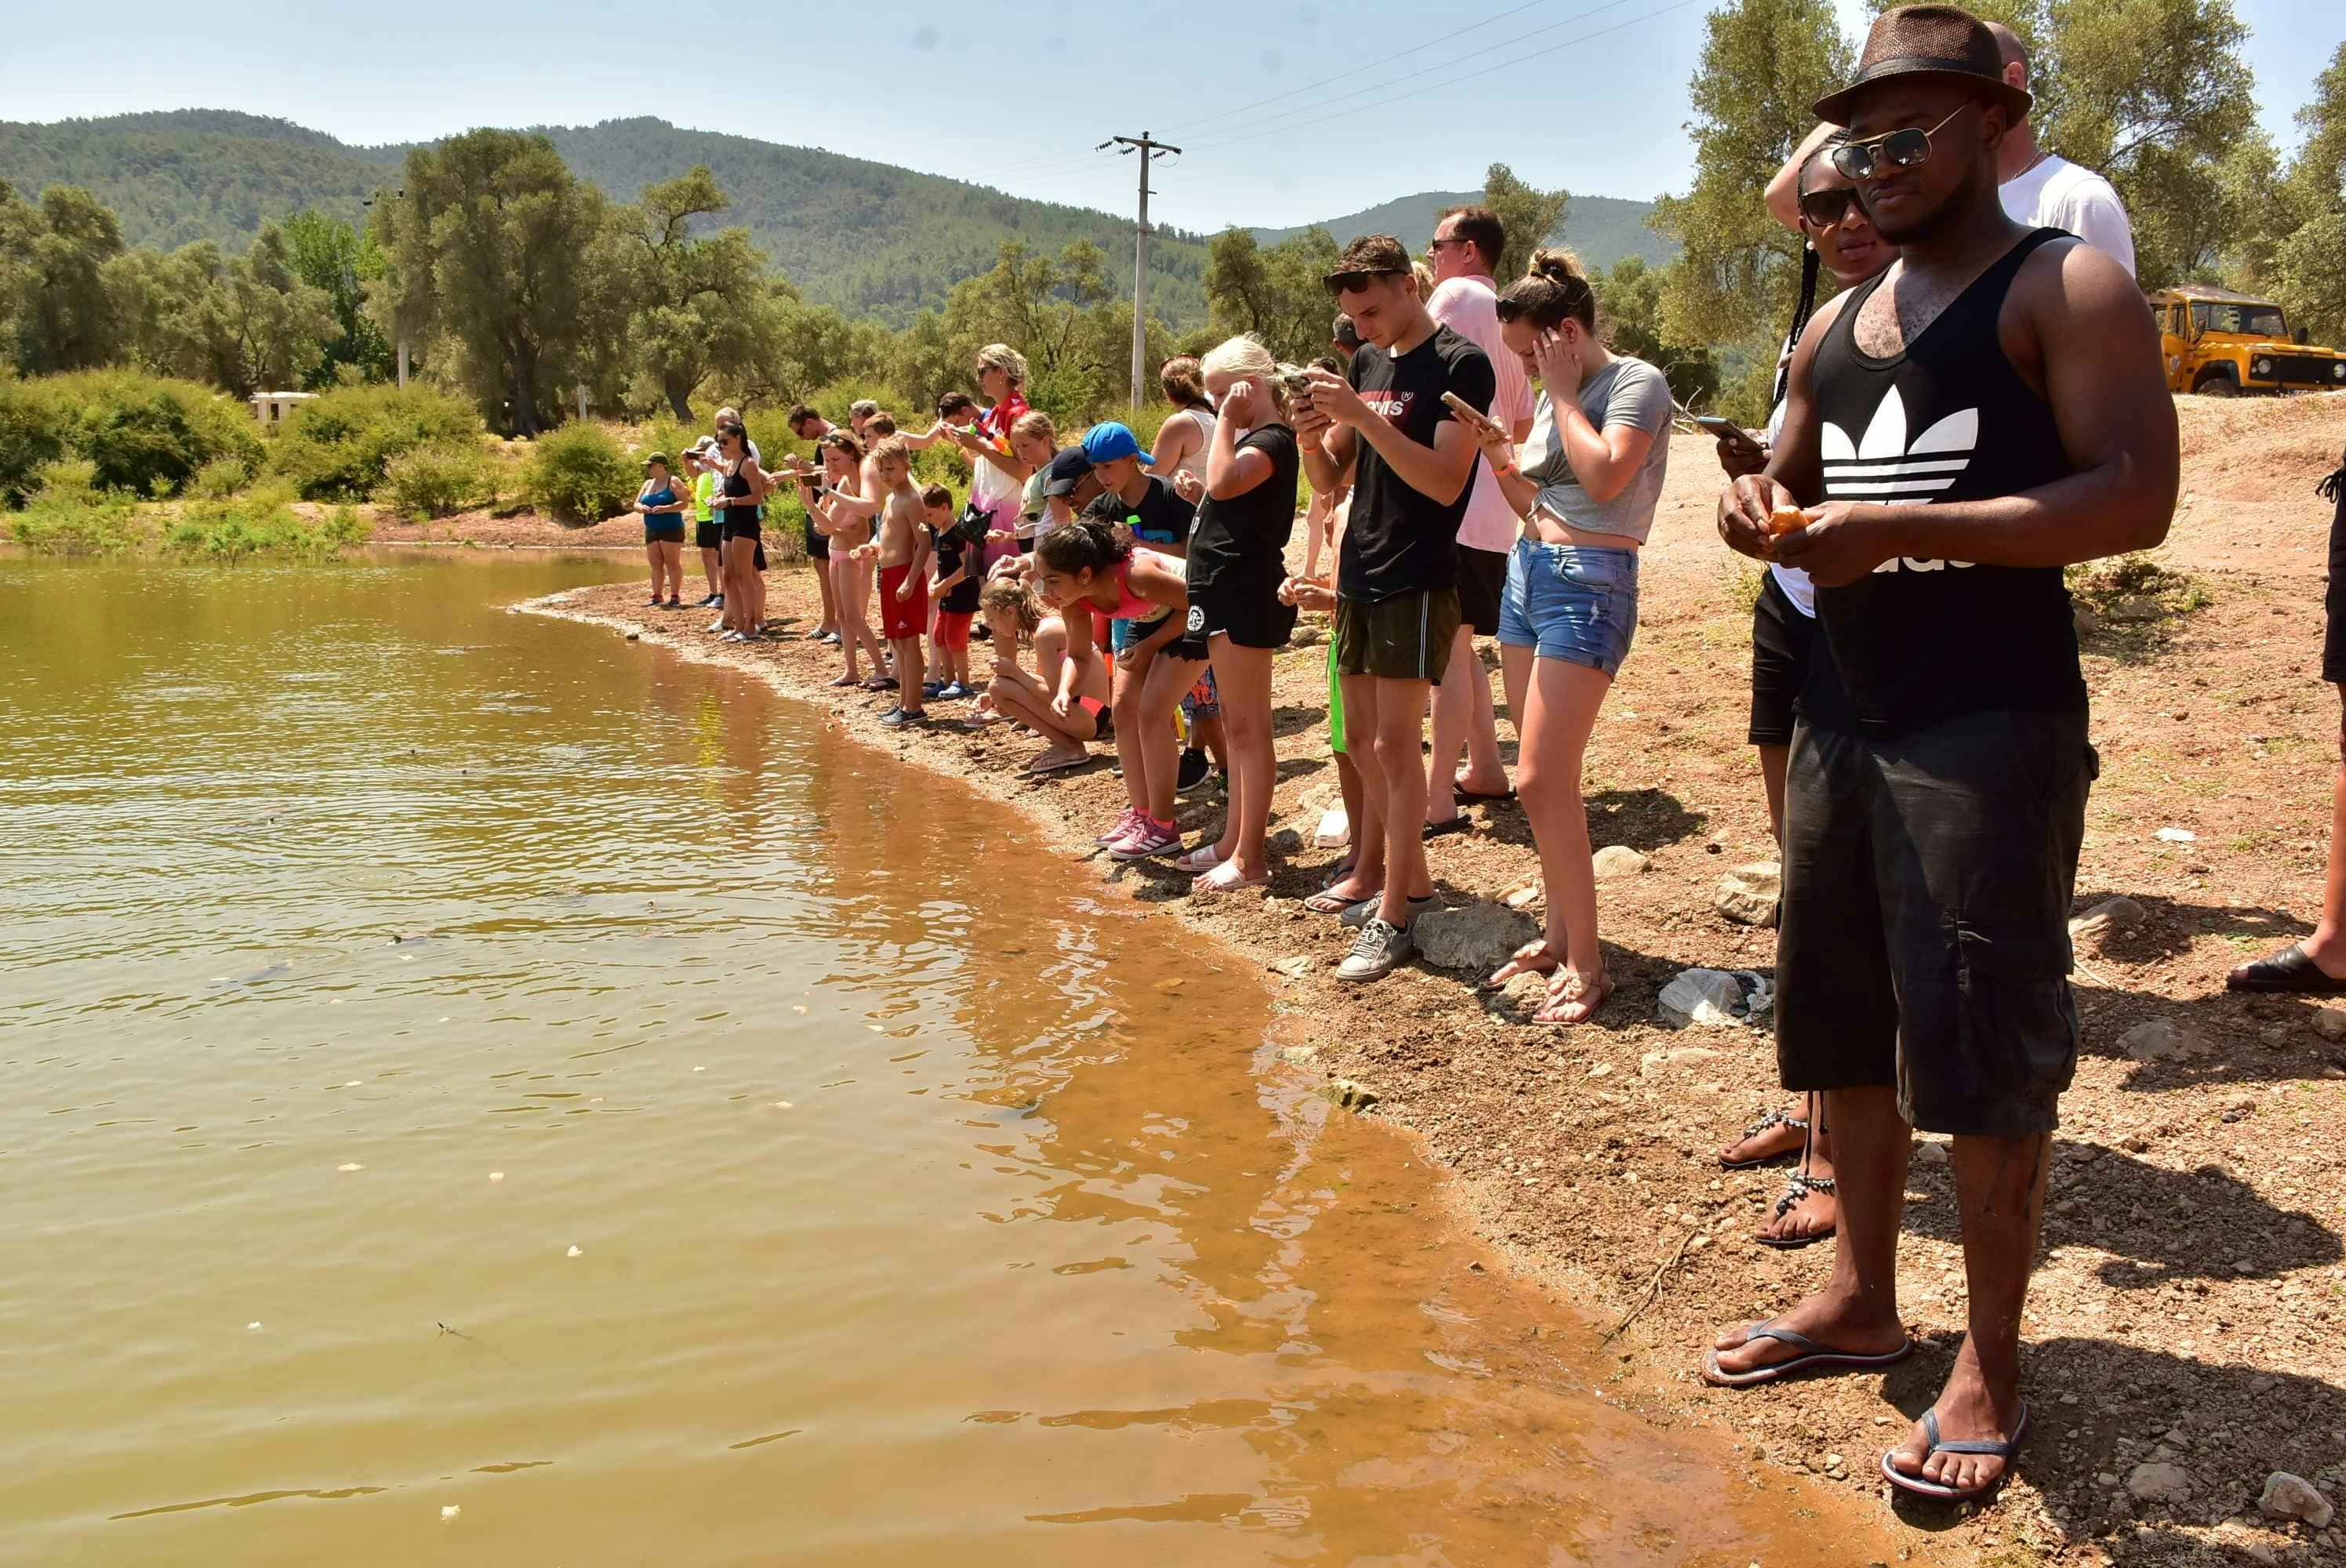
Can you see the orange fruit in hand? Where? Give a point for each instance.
(1785, 519)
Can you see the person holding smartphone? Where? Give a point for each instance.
(1843, 242)
(1586, 483)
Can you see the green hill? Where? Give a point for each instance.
(1601, 228)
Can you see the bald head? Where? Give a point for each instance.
(2014, 53)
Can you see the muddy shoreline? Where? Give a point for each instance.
(2182, 1339)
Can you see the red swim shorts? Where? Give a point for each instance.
(952, 628)
(902, 620)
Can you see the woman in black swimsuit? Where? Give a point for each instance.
(742, 486)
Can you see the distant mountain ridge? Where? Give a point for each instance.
(1601, 229)
(871, 239)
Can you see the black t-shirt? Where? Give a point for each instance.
(953, 551)
(1397, 540)
(1164, 516)
(1249, 532)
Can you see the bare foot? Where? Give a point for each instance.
(1574, 997)
(1226, 878)
(1532, 958)
(1967, 1410)
(1830, 1322)
(847, 679)
(1774, 1136)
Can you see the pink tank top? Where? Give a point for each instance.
(1132, 606)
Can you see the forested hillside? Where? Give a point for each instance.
(1603, 230)
(869, 238)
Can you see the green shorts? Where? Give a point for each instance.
(1404, 638)
(1335, 703)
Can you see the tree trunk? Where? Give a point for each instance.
(679, 395)
(524, 395)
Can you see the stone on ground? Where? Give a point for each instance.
(2330, 1023)
(1748, 894)
(1714, 996)
(2108, 918)
(1618, 861)
(2160, 1039)
(2159, 1482)
(1478, 935)
(2288, 1496)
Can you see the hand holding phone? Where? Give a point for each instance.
(1727, 430)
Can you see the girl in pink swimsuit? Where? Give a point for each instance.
(1084, 563)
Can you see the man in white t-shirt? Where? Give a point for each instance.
(2039, 189)
(2046, 191)
(1467, 244)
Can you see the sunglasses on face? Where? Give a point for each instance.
(1909, 149)
(1824, 209)
(1433, 247)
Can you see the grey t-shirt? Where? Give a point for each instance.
(1626, 392)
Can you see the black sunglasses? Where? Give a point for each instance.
(1908, 149)
(1353, 282)
(1824, 209)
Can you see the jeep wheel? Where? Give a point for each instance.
(2216, 385)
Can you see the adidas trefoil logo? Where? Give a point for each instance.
(1884, 467)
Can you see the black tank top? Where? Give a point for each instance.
(1917, 642)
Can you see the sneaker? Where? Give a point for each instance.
(717, 626)
(1381, 948)
(831, 637)
(730, 637)
(1133, 817)
(1147, 837)
(896, 717)
(673, 605)
(706, 601)
(1360, 913)
(716, 601)
(653, 603)
(1195, 771)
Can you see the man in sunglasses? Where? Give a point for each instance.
(1397, 568)
(1984, 413)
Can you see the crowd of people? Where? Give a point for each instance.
(1978, 405)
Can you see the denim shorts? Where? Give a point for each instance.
(1571, 602)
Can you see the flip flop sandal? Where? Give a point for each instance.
(2290, 969)
(1797, 1189)
(1458, 824)
(1483, 795)
(1588, 1017)
(1813, 1355)
(881, 683)
(1040, 768)
(1337, 874)
(1206, 887)
(1772, 1119)
(1994, 1448)
(1330, 902)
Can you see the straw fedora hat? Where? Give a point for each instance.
(1942, 41)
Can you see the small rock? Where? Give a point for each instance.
(1478, 935)
(2087, 622)
(1713, 996)
(1602, 1070)
(2159, 1482)
(1618, 861)
(1299, 1055)
(2137, 607)
(2176, 836)
(2275, 1035)
(1520, 998)
(1748, 894)
(1524, 897)
(1655, 1062)
(2288, 1496)
(632, 637)
(2160, 1039)
(1932, 1153)
(1294, 968)
(1286, 841)
(1335, 829)
(1351, 1096)
(2108, 918)
(2330, 1023)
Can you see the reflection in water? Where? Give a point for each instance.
(480, 1092)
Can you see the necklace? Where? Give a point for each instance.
(2042, 154)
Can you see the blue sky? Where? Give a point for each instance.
(1290, 110)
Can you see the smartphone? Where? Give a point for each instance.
(1727, 430)
(1468, 411)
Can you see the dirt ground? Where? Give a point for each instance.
(2189, 1307)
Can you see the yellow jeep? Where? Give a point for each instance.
(2224, 344)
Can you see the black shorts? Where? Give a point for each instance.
(1925, 935)
(1404, 638)
(818, 544)
(708, 535)
(1482, 587)
(1782, 641)
(746, 528)
(1243, 605)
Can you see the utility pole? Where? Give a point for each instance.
(1148, 149)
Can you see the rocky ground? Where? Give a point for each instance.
(2184, 1334)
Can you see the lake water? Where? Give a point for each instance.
(473, 1091)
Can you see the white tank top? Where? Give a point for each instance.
(1195, 461)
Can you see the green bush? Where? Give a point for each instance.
(440, 482)
(231, 531)
(62, 525)
(580, 473)
(33, 435)
(147, 434)
(339, 445)
(221, 478)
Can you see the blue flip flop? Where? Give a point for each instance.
(1813, 1355)
(1994, 1448)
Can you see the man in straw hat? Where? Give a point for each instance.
(1982, 414)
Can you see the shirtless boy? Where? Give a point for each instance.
(902, 553)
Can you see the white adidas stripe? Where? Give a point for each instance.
(1891, 470)
(1891, 486)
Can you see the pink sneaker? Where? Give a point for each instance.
(1133, 817)
(1150, 838)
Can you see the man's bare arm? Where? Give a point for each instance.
(1784, 189)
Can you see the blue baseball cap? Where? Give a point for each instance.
(1107, 442)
